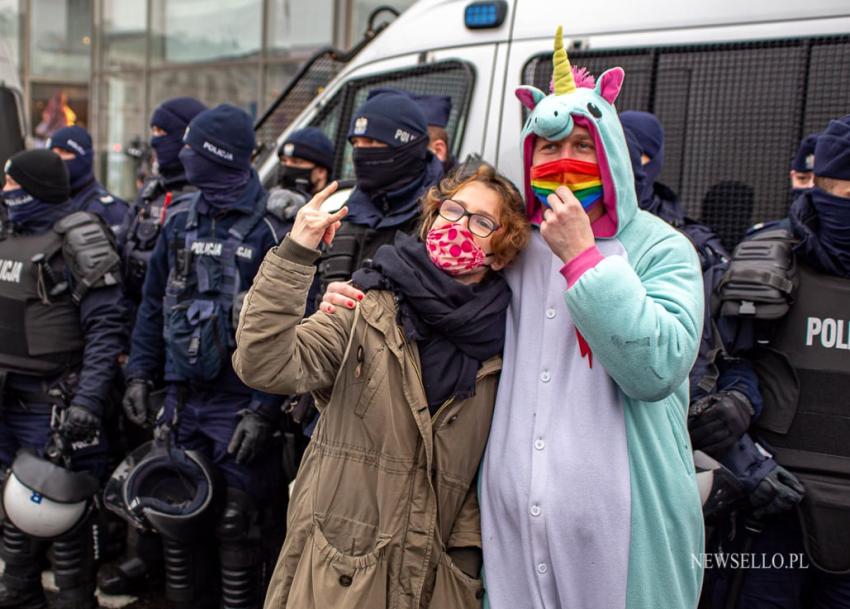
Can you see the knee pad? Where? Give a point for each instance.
(238, 520)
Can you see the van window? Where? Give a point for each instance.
(733, 115)
(453, 78)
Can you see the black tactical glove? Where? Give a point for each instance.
(250, 436)
(285, 203)
(137, 401)
(716, 421)
(79, 423)
(777, 492)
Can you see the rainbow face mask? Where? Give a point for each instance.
(581, 177)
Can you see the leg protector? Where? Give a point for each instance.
(20, 585)
(187, 575)
(239, 552)
(74, 566)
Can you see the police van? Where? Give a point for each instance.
(735, 84)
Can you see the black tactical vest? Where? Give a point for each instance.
(804, 375)
(143, 233)
(39, 322)
(353, 244)
(807, 397)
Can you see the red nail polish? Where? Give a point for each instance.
(350, 304)
(360, 297)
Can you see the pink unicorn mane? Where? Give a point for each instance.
(582, 77)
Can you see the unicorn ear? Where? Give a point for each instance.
(529, 96)
(609, 84)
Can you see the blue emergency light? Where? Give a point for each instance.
(483, 15)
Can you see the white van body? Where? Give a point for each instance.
(432, 31)
(12, 116)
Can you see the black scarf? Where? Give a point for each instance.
(456, 327)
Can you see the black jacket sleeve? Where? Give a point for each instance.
(147, 347)
(103, 319)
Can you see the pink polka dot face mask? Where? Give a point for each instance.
(452, 249)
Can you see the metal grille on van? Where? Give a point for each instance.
(733, 116)
(322, 70)
(453, 78)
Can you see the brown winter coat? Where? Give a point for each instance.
(385, 492)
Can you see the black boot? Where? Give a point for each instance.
(74, 570)
(140, 571)
(20, 585)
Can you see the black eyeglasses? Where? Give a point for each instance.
(480, 226)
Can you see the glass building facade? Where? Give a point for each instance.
(106, 64)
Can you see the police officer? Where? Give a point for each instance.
(306, 161)
(393, 166)
(63, 327)
(713, 372)
(142, 224)
(717, 380)
(74, 146)
(437, 110)
(204, 260)
(791, 283)
(306, 166)
(139, 234)
(803, 165)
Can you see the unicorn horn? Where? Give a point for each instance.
(563, 71)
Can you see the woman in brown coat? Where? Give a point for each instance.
(384, 511)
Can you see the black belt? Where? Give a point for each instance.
(29, 401)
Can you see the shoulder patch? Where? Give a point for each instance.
(107, 199)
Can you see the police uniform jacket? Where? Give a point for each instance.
(103, 322)
(147, 351)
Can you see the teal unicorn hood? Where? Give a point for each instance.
(579, 99)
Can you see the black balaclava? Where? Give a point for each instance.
(385, 170)
(832, 224)
(217, 156)
(172, 116)
(78, 141)
(649, 135)
(221, 186)
(393, 118)
(43, 180)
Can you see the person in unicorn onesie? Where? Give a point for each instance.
(587, 489)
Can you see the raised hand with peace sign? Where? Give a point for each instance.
(313, 225)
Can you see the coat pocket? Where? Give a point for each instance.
(679, 433)
(371, 374)
(455, 589)
(326, 577)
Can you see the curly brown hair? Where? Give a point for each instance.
(514, 228)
